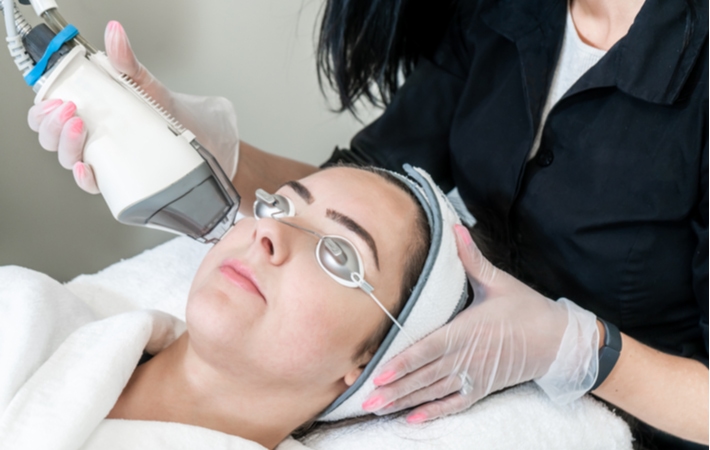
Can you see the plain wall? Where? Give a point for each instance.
(257, 53)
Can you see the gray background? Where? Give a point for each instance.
(257, 53)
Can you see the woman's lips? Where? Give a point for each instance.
(241, 276)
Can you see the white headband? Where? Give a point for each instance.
(440, 293)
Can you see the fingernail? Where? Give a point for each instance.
(384, 377)
(416, 418)
(67, 112)
(79, 171)
(373, 403)
(77, 126)
(463, 234)
(113, 26)
(50, 105)
(113, 29)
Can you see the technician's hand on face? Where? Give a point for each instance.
(212, 119)
(509, 335)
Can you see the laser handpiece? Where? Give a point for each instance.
(150, 169)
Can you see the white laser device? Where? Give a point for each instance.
(150, 169)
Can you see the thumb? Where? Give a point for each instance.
(119, 50)
(480, 271)
(122, 58)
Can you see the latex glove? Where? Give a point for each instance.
(509, 335)
(211, 119)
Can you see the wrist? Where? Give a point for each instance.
(602, 334)
(608, 353)
(574, 369)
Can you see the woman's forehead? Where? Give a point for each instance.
(379, 206)
(359, 190)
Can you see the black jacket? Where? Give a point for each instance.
(612, 213)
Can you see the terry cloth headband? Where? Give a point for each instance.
(440, 293)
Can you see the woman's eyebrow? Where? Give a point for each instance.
(355, 227)
(300, 189)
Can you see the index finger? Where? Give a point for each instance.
(418, 355)
(38, 112)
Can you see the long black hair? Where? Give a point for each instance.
(365, 46)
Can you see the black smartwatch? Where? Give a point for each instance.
(609, 353)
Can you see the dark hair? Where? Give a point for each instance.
(364, 45)
(417, 252)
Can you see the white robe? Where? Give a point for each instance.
(62, 370)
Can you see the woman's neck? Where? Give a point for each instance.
(176, 386)
(601, 23)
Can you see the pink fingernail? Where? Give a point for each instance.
(77, 126)
(463, 234)
(373, 403)
(79, 171)
(384, 377)
(115, 27)
(67, 112)
(416, 418)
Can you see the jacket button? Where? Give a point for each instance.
(544, 158)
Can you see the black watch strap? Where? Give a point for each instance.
(609, 353)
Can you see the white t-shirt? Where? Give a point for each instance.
(576, 58)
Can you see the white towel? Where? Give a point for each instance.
(61, 372)
(519, 418)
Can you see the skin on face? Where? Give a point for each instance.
(301, 328)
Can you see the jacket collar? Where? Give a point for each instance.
(665, 40)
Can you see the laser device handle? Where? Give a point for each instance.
(151, 171)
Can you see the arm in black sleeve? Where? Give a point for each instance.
(415, 127)
(700, 259)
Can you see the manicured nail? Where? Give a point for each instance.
(416, 418)
(373, 403)
(77, 126)
(67, 112)
(463, 233)
(384, 377)
(79, 171)
(113, 26)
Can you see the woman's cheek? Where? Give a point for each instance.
(213, 320)
(309, 341)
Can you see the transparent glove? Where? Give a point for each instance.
(509, 335)
(211, 119)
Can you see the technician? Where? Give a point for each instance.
(576, 134)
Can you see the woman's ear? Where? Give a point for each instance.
(353, 375)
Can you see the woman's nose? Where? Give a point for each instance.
(273, 240)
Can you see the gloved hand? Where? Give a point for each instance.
(510, 334)
(211, 119)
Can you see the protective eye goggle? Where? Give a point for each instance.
(336, 255)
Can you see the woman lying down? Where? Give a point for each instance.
(287, 319)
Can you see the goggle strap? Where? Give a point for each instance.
(293, 225)
(394, 321)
